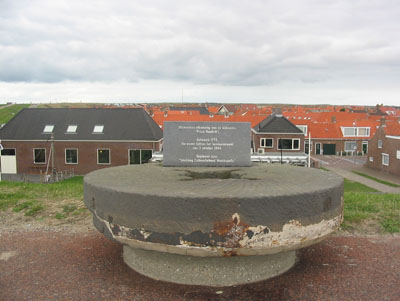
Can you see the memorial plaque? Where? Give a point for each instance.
(207, 144)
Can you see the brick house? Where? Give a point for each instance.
(276, 133)
(83, 140)
(384, 151)
(346, 137)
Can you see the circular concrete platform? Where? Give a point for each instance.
(214, 212)
(209, 271)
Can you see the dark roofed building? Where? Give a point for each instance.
(79, 124)
(227, 110)
(277, 124)
(201, 110)
(83, 139)
(275, 134)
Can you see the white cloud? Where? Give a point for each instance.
(259, 45)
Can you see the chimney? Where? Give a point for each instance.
(165, 113)
(383, 122)
(333, 119)
(277, 111)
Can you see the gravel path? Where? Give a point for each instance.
(47, 265)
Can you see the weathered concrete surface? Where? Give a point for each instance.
(209, 271)
(263, 209)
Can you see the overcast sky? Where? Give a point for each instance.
(313, 51)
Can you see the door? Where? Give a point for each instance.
(307, 147)
(329, 149)
(140, 156)
(8, 161)
(365, 147)
(318, 148)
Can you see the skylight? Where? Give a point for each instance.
(48, 128)
(98, 129)
(72, 129)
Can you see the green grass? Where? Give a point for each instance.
(22, 206)
(360, 205)
(9, 112)
(60, 216)
(69, 208)
(351, 186)
(375, 179)
(33, 210)
(391, 223)
(13, 193)
(8, 199)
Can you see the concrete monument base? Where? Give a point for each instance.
(214, 226)
(209, 271)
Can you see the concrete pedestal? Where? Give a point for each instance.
(209, 271)
(214, 226)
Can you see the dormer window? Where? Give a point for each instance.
(48, 128)
(303, 128)
(98, 129)
(71, 129)
(355, 131)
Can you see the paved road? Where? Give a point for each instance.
(58, 266)
(343, 166)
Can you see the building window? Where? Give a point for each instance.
(98, 129)
(39, 155)
(103, 156)
(140, 156)
(303, 128)
(355, 131)
(8, 152)
(71, 156)
(267, 142)
(350, 146)
(289, 144)
(72, 129)
(380, 143)
(363, 132)
(398, 154)
(385, 159)
(48, 128)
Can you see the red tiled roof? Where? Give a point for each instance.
(160, 118)
(392, 129)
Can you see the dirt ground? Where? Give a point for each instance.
(70, 264)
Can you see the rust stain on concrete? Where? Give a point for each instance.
(227, 238)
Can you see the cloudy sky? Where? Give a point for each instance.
(308, 51)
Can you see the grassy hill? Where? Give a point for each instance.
(6, 113)
(70, 105)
